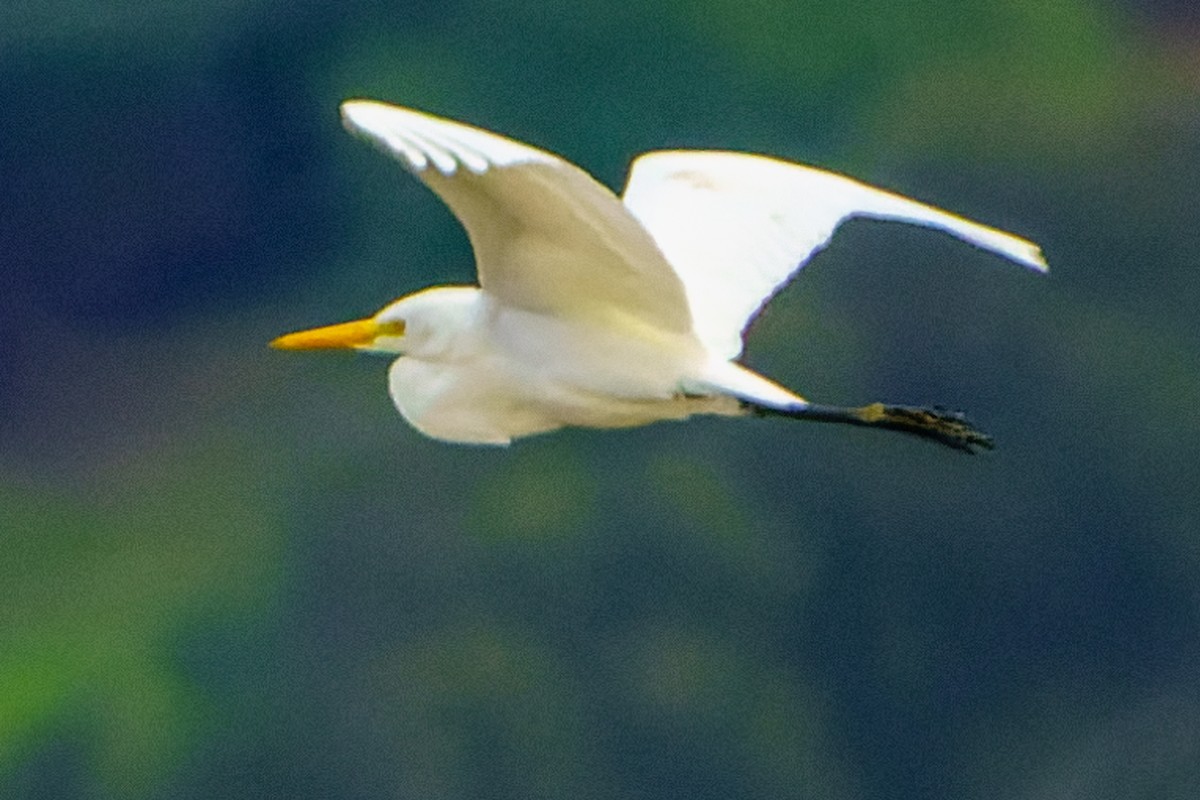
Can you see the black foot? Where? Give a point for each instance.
(950, 428)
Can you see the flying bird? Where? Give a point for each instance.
(600, 311)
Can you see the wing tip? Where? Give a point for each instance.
(1030, 255)
(395, 131)
(1039, 262)
(419, 138)
(357, 112)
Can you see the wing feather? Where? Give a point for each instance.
(547, 237)
(736, 227)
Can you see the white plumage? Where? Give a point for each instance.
(736, 227)
(595, 312)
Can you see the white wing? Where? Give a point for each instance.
(547, 237)
(736, 227)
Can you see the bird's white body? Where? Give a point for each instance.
(482, 371)
(597, 311)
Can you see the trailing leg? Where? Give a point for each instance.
(950, 428)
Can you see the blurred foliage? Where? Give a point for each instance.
(96, 589)
(230, 573)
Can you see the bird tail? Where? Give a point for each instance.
(732, 379)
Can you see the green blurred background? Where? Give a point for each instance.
(227, 572)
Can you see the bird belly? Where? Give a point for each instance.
(527, 373)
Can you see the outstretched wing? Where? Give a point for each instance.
(736, 227)
(547, 237)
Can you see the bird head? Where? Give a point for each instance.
(424, 321)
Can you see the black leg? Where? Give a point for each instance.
(950, 428)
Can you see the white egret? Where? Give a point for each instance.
(605, 312)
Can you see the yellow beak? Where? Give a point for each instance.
(359, 333)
